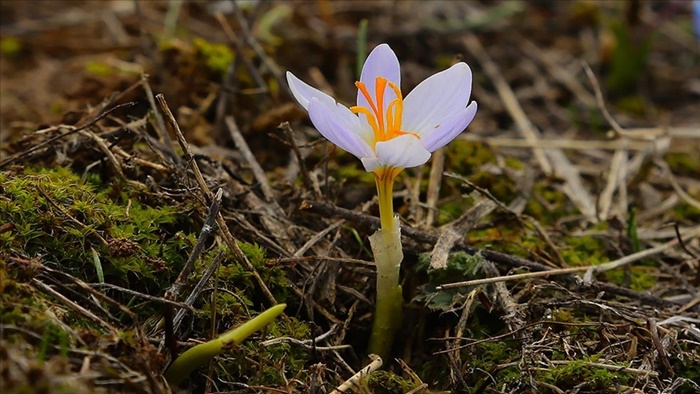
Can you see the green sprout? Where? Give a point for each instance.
(200, 354)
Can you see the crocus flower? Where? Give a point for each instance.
(389, 134)
(384, 130)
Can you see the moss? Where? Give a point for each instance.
(217, 57)
(638, 278)
(685, 211)
(563, 315)
(235, 302)
(465, 157)
(634, 105)
(488, 355)
(384, 382)
(22, 306)
(684, 163)
(355, 173)
(686, 364)
(485, 361)
(493, 367)
(512, 162)
(10, 47)
(452, 210)
(60, 217)
(238, 283)
(74, 224)
(99, 69)
(433, 372)
(584, 250)
(573, 374)
(59, 336)
(548, 203)
(139, 242)
(239, 280)
(501, 187)
(468, 158)
(513, 238)
(266, 365)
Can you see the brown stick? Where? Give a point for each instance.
(372, 223)
(225, 232)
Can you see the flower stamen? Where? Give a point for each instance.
(384, 126)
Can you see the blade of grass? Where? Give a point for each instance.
(200, 354)
(98, 266)
(361, 46)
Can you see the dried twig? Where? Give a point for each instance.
(548, 160)
(453, 343)
(453, 232)
(228, 237)
(372, 223)
(252, 162)
(674, 183)
(615, 177)
(549, 60)
(141, 295)
(255, 46)
(601, 101)
(308, 343)
(526, 128)
(161, 130)
(233, 38)
(74, 306)
(71, 130)
(622, 143)
(621, 262)
(316, 238)
(354, 379)
(654, 330)
(287, 128)
(208, 228)
(213, 266)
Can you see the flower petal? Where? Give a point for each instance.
(404, 151)
(371, 163)
(381, 62)
(448, 130)
(304, 92)
(333, 122)
(437, 98)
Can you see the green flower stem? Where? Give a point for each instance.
(198, 355)
(388, 254)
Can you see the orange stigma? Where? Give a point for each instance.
(385, 126)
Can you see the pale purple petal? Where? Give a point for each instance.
(381, 62)
(449, 129)
(404, 151)
(437, 98)
(337, 128)
(371, 163)
(304, 92)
